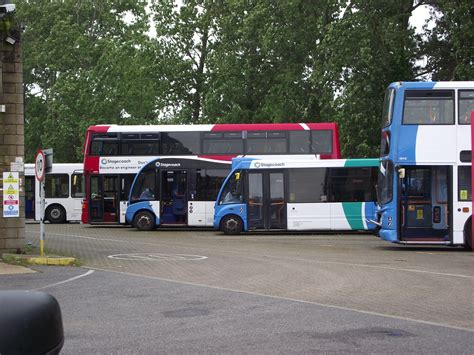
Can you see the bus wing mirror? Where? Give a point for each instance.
(30, 323)
(401, 173)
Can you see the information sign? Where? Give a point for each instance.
(11, 194)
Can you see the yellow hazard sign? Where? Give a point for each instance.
(10, 179)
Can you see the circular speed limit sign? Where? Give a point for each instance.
(40, 165)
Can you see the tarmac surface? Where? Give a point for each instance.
(200, 291)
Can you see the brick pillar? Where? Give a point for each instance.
(12, 230)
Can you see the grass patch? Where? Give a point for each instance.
(13, 260)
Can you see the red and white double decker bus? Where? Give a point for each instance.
(113, 154)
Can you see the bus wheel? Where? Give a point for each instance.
(468, 235)
(144, 221)
(231, 225)
(55, 214)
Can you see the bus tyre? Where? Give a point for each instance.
(468, 235)
(55, 214)
(231, 225)
(144, 221)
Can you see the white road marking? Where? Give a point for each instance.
(63, 282)
(157, 257)
(271, 256)
(288, 299)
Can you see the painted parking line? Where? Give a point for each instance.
(157, 257)
(90, 272)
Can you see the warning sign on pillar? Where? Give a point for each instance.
(11, 194)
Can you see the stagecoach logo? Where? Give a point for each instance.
(122, 165)
(268, 165)
(167, 165)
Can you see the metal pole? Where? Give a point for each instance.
(42, 206)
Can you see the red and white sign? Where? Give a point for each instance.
(40, 165)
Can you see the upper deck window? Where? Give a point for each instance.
(321, 142)
(223, 143)
(181, 143)
(266, 142)
(140, 147)
(387, 109)
(466, 105)
(104, 144)
(300, 142)
(429, 107)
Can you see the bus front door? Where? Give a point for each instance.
(30, 191)
(425, 201)
(174, 201)
(266, 200)
(104, 199)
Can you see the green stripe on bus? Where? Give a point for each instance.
(361, 162)
(353, 213)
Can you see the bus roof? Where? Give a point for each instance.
(432, 85)
(285, 161)
(57, 168)
(219, 127)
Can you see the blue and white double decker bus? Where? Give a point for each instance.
(297, 195)
(424, 185)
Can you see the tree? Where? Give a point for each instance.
(449, 43)
(185, 34)
(84, 64)
(374, 45)
(265, 60)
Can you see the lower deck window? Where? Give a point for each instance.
(307, 185)
(208, 183)
(464, 183)
(56, 186)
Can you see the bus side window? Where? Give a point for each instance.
(77, 185)
(57, 186)
(466, 105)
(464, 183)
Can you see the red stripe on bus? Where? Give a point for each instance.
(99, 129)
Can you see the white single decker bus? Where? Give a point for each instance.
(64, 192)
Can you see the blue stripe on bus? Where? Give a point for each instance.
(369, 214)
(406, 145)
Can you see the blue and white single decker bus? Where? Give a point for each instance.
(293, 195)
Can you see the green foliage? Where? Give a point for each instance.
(450, 44)
(84, 65)
(94, 62)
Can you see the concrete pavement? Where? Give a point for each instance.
(7, 269)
